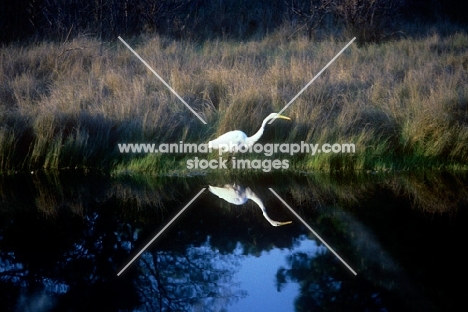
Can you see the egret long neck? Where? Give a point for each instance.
(251, 195)
(254, 138)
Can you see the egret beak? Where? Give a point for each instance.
(278, 223)
(283, 117)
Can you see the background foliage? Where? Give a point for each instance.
(201, 19)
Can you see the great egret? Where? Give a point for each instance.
(238, 195)
(233, 140)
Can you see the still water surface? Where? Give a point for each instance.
(236, 247)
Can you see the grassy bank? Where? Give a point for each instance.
(403, 103)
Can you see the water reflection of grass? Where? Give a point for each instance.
(434, 192)
(402, 103)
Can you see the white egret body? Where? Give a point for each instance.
(238, 195)
(237, 138)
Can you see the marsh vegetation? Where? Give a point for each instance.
(403, 103)
(399, 94)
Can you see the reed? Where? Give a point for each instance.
(403, 103)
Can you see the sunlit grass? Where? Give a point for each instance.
(403, 103)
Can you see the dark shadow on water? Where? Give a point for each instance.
(64, 238)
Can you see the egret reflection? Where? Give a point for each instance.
(239, 195)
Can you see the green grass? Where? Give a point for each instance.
(403, 103)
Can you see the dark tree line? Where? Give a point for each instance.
(110, 18)
(200, 19)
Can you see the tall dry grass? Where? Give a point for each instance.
(403, 103)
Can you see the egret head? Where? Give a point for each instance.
(275, 115)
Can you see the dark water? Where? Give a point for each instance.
(65, 238)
